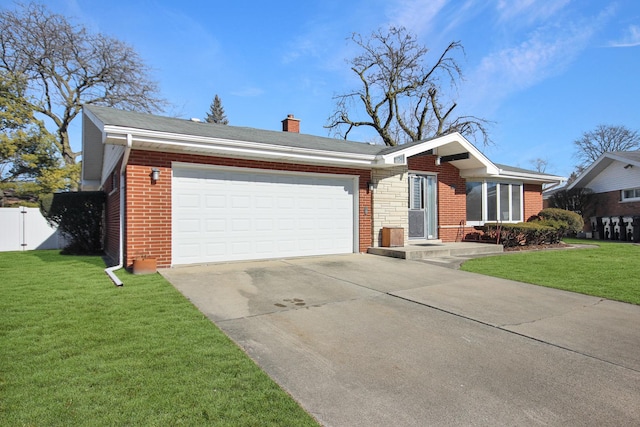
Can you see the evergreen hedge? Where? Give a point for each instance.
(78, 216)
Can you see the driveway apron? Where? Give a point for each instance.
(362, 340)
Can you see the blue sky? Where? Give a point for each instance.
(543, 70)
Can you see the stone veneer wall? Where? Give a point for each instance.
(390, 201)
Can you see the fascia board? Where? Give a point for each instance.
(502, 174)
(178, 142)
(586, 175)
(96, 121)
(621, 159)
(93, 152)
(598, 166)
(388, 159)
(530, 177)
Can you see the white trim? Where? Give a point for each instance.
(601, 163)
(160, 141)
(485, 205)
(624, 199)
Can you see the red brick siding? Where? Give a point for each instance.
(112, 215)
(452, 198)
(532, 194)
(610, 204)
(148, 205)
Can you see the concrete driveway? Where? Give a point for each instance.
(363, 340)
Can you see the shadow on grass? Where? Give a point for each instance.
(50, 256)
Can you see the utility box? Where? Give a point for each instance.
(392, 236)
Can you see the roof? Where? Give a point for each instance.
(601, 163)
(105, 126)
(171, 125)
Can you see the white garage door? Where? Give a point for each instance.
(230, 214)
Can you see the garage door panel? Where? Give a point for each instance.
(228, 215)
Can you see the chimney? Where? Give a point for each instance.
(291, 124)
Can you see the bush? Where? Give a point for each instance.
(78, 216)
(574, 222)
(522, 233)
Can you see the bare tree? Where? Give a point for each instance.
(603, 139)
(404, 98)
(540, 164)
(67, 66)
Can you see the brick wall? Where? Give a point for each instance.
(452, 198)
(610, 204)
(532, 202)
(148, 204)
(112, 215)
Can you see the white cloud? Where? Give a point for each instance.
(630, 39)
(415, 15)
(528, 11)
(546, 52)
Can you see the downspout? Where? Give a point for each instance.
(110, 271)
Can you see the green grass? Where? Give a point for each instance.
(609, 271)
(76, 350)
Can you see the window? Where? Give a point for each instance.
(474, 201)
(631, 194)
(493, 201)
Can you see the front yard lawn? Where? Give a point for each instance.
(76, 350)
(611, 270)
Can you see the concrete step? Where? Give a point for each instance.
(437, 250)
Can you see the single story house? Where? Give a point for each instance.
(614, 179)
(188, 192)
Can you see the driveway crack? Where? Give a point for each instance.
(509, 331)
(530, 322)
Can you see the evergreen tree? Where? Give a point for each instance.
(216, 112)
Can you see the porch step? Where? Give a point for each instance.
(438, 250)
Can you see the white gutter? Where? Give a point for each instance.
(111, 270)
(188, 143)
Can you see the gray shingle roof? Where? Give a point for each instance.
(149, 122)
(130, 119)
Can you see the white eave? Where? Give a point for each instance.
(163, 141)
(598, 166)
(530, 177)
(451, 144)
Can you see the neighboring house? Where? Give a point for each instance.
(187, 192)
(614, 179)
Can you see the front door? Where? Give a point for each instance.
(422, 207)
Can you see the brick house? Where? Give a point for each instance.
(614, 179)
(187, 192)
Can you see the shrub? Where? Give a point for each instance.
(78, 215)
(522, 233)
(574, 222)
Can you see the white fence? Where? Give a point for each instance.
(24, 229)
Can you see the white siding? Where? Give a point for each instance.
(615, 177)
